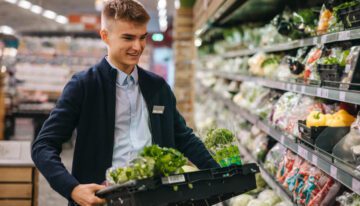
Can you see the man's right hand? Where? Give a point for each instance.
(84, 194)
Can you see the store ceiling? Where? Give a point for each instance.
(24, 20)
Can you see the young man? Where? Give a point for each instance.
(117, 109)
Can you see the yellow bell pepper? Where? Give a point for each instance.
(315, 119)
(341, 119)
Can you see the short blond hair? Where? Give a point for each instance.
(128, 10)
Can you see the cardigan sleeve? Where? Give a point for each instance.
(56, 130)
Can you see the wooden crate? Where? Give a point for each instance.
(18, 176)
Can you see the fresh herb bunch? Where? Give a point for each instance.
(168, 161)
(217, 137)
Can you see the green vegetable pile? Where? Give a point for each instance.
(168, 161)
(153, 161)
(220, 142)
(140, 168)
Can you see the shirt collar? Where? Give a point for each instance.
(121, 76)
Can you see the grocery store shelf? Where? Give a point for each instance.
(269, 179)
(349, 96)
(324, 39)
(219, 14)
(326, 163)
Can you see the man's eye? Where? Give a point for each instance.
(127, 38)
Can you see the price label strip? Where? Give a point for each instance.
(173, 179)
(333, 171)
(355, 185)
(342, 96)
(345, 35)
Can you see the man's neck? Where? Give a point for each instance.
(128, 69)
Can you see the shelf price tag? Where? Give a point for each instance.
(282, 139)
(314, 159)
(333, 171)
(347, 68)
(294, 87)
(315, 40)
(323, 39)
(303, 89)
(318, 92)
(342, 96)
(288, 87)
(325, 93)
(355, 185)
(302, 43)
(302, 152)
(345, 35)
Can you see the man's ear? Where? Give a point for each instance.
(104, 35)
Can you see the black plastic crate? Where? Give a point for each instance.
(206, 187)
(350, 16)
(328, 138)
(309, 134)
(330, 75)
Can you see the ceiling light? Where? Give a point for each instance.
(7, 30)
(24, 4)
(162, 4)
(177, 4)
(49, 14)
(62, 19)
(11, 1)
(198, 42)
(36, 9)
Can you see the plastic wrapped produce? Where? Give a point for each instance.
(311, 60)
(274, 157)
(269, 197)
(285, 166)
(351, 62)
(291, 180)
(282, 108)
(241, 200)
(347, 148)
(349, 199)
(309, 188)
(325, 17)
(255, 64)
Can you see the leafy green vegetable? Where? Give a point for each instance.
(270, 61)
(221, 142)
(168, 161)
(140, 168)
(153, 160)
(217, 137)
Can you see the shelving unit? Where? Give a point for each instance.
(326, 163)
(311, 90)
(269, 179)
(323, 39)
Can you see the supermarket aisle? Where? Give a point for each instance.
(47, 196)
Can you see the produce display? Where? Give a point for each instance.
(222, 145)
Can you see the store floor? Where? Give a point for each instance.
(47, 196)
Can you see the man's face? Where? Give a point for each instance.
(126, 42)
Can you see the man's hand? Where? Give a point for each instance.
(84, 194)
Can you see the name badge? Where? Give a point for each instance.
(158, 109)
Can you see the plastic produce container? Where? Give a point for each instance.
(205, 187)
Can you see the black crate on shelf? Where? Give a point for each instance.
(204, 187)
(309, 134)
(330, 75)
(350, 16)
(328, 138)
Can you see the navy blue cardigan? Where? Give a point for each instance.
(88, 104)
